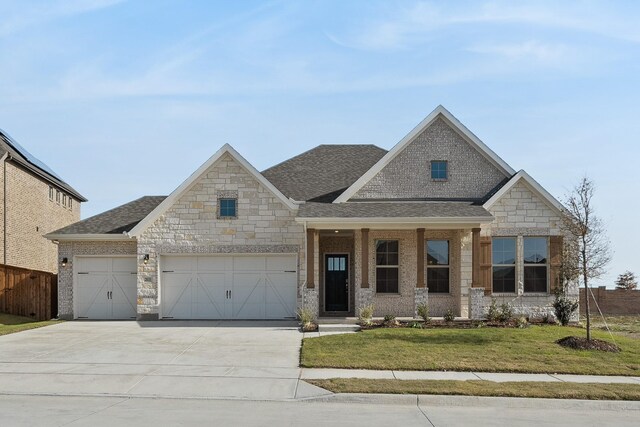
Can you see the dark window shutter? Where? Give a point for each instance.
(555, 262)
(485, 264)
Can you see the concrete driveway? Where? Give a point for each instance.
(197, 359)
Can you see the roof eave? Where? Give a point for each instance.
(85, 237)
(397, 222)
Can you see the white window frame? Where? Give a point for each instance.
(447, 266)
(525, 265)
(397, 266)
(514, 265)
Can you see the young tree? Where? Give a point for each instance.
(590, 245)
(627, 280)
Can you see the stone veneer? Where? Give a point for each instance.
(521, 213)
(70, 250)
(408, 175)
(263, 225)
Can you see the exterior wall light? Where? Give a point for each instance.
(145, 259)
(65, 261)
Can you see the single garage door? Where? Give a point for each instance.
(105, 287)
(228, 287)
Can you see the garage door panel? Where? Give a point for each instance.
(124, 296)
(94, 265)
(210, 296)
(91, 293)
(177, 295)
(248, 295)
(249, 263)
(281, 294)
(124, 265)
(281, 263)
(177, 263)
(221, 263)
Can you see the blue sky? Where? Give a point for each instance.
(127, 98)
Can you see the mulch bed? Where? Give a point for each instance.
(581, 343)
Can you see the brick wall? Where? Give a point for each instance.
(31, 215)
(263, 225)
(612, 301)
(408, 175)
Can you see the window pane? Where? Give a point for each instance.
(387, 280)
(504, 250)
(330, 264)
(535, 279)
(438, 170)
(387, 252)
(438, 252)
(438, 280)
(535, 250)
(342, 266)
(504, 279)
(227, 207)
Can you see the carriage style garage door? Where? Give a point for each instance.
(228, 287)
(105, 287)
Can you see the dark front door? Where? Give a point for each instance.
(336, 282)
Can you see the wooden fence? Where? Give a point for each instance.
(28, 293)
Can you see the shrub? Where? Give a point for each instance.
(415, 325)
(423, 312)
(449, 316)
(389, 317)
(506, 313)
(564, 308)
(522, 322)
(365, 314)
(493, 314)
(307, 319)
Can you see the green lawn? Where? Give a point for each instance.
(484, 388)
(10, 323)
(532, 349)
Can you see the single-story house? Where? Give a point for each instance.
(439, 219)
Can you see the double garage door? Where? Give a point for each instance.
(191, 287)
(228, 287)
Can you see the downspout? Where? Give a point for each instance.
(306, 273)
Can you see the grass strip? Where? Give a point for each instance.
(552, 390)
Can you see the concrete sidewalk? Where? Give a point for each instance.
(317, 374)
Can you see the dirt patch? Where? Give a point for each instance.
(580, 343)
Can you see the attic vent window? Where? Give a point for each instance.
(227, 208)
(439, 170)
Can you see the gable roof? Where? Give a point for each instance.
(440, 111)
(186, 185)
(532, 184)
(323, 172)
(21, 156)
(112, 222)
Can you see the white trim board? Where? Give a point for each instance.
(95, 237)
(189, 182)
(537, 189)
(462, 130)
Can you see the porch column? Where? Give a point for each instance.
(475, 258)
(311, 233)
(365, 257)
(420, 256)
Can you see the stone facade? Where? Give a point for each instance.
(263, 225)
(70, 250)
(470, 174)
(520, 213)
(31, 215)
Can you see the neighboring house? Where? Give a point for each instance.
(440, 219)
(35, 201)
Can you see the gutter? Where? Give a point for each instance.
(92, 237)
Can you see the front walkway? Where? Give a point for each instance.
(318, 374)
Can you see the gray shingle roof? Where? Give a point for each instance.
(391, 210)
(324, 172)
(25, 159)
(117, 220)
